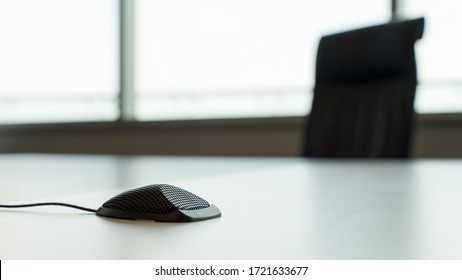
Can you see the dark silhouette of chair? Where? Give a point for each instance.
(363, 105)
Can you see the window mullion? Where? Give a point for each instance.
(126, 99)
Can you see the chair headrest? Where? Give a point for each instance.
(385, 50)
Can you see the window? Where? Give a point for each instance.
(62, 60)
(239, 58)
(58, 60)
(438, 55)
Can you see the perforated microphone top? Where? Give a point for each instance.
(156, 199)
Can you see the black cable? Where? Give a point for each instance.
(48, 204)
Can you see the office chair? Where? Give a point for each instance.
(363, 104)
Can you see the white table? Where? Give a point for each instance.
(273, 208)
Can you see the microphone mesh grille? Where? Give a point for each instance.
(156, 199)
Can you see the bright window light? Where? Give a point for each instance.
(439, 57)
(235, 58)
(59, 60)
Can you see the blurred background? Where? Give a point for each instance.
(205, 77)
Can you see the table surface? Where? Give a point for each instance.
(273, 208)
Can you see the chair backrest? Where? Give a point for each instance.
(363, 104)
